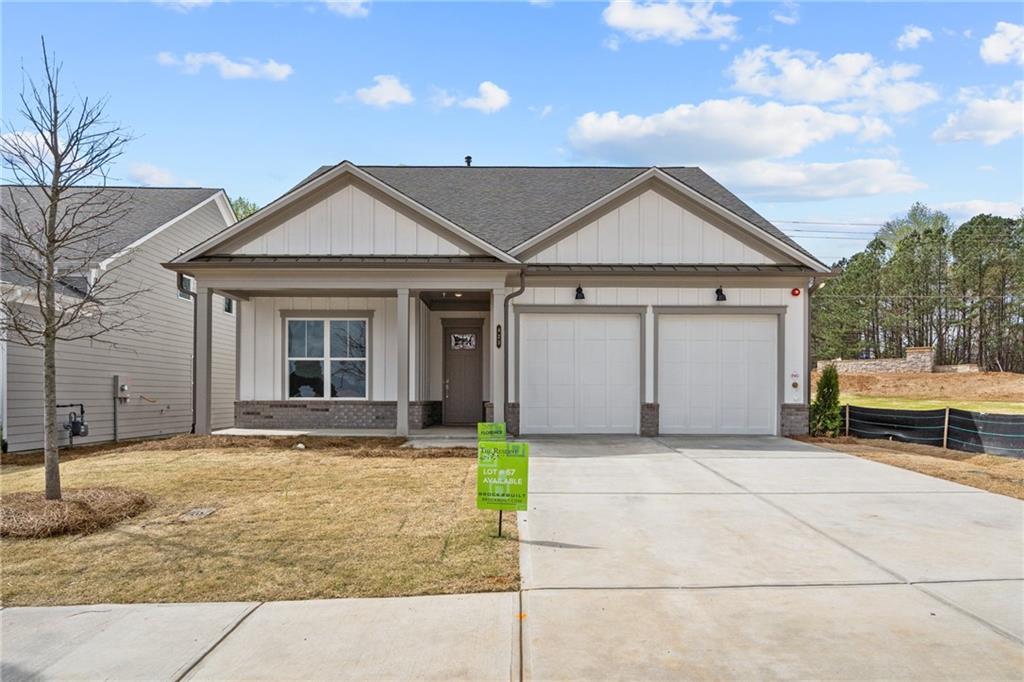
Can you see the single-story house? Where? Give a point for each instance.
(559, 300)
(152, 362)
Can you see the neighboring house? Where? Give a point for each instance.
(559, 300)
(154, 360)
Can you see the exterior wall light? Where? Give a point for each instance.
(719, 294)
(579, 294)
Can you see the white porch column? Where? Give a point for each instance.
(403, 362)
(498, 354)
(203, 351)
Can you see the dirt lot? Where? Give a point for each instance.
(1003, 475)
(979, 391)
(334, 520)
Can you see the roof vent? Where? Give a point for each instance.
(469, 161)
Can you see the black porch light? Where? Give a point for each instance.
(719, 294)
(579, 294)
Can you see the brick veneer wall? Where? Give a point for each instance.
(795, 420)
(649, 420)
(918, 360)
(330, 414)
(512, 418)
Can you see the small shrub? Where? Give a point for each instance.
(30, 515)
(826, 418)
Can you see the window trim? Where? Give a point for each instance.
(191, 291)
(326, 317)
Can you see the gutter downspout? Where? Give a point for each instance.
(508, 299)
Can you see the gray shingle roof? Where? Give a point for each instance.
(147, 209)
(507, 205)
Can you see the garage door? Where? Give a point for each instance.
(579, 373)
(717, 373)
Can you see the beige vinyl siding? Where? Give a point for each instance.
(156, 356)
(650, 228)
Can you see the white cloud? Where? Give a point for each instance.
(854, 81)
(873, 129)
(788, 14)
(351, 9)
(611, 43)
(441, 98)
(775, 181)
(1005, 45)
(150, 175)
(989, 120)
(913, 36)
(986, 168)
(669, 21)
(490, 99)
(184, 5)
(714, 130)
(194, 62)
(964, 210)
(387, 91)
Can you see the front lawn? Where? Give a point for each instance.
(342, 520)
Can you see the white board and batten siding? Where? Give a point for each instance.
(350, 222)
(157, 357)
(649, 228)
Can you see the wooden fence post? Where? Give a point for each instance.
(945, 431)
(847, 420)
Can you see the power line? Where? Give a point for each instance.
(826, 222)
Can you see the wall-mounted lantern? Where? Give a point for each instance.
(719, 294)
(579, 293)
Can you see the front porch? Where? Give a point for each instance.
(336, 350)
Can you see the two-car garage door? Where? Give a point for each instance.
(581, 373)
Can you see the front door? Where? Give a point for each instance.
(463, 374)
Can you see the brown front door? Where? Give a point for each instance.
(463, 374)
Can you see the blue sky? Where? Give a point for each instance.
(819, 112)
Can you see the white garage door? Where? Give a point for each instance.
(717, 373)
(579, 373)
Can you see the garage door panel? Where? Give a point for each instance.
(717, 373)
(591, 370)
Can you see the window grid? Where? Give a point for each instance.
(321, 351)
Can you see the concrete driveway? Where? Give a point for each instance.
(744, 558)
(668, 558)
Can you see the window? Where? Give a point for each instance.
(229, 306)
(186, 286)
(327, 358)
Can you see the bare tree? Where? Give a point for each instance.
(58, 213)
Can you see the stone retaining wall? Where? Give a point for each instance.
(918, 360)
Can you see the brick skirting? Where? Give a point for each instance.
(332, 414)
(512, 418)
(649, 421)
(795, 420)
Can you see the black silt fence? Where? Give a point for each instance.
(994, 434)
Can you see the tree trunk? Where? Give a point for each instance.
(50, 428)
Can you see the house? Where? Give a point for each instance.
(153, 362)
(558, 300)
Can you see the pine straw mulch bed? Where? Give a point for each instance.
(349, 446)
(1002, 475)
(30, 515)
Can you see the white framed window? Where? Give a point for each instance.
(229, 305)
(189, 285)
(327, 358)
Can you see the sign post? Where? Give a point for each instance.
(502, 473)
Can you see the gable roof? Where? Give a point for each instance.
(508, 205)
(148, 208)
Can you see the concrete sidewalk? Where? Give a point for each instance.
(452, 637)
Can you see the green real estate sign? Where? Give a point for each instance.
(490, 431)
(501, 475)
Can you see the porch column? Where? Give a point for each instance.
(403, 362)
(498, 353)
(203, 350)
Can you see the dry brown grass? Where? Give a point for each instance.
(289, 524)
(1003, 475)
(30, 515)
